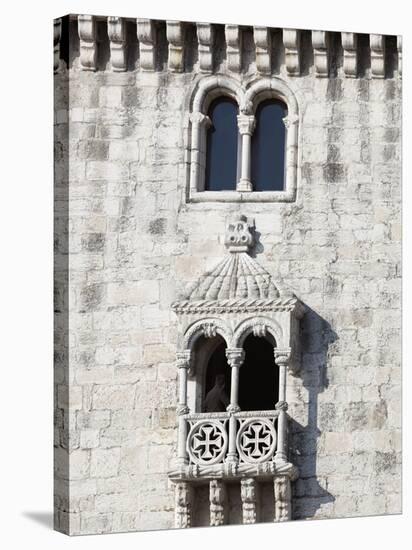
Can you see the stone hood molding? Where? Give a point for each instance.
(239, 297)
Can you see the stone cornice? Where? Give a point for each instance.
(263, 470)
(150, 38)
(236, 306)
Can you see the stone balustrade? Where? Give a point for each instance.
(254, 437)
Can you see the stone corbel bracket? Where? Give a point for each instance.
(399, 45)
(249, 494)
(320, 42)
(88, 42)
(206, 39)
(175, 32)
(263, 42)
(146, 34)
(57, 30)
(350, 54)
(233, 36)
(377, 42)
(116, 29)
(218, 502)
(291, 41)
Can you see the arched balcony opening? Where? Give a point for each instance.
(217, 377)
(259, 376)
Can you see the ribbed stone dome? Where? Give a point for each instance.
(238, 276)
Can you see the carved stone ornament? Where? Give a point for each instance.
(282, 357)
(207, 442)
(259, 330)
(263, 42)
(175, 32)
(377, 43)
(209, 330)
(238, 236)
(291, 41)
(116, 29)
(57, 29)
(205, 37)
(183, 359)
(200, 119)
(256, 440)
(320, 42)
(235, 356)
(88, 44)
(146, 34)
(234, 47)
(183, 504)
(249, 496)
(283, 508)
(246, 124)
(399, 43)
(218, 501)
(350, 54)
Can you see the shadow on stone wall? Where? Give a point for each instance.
(309, 494)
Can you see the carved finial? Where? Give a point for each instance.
(238, 236)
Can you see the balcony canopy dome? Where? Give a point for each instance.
(238, 276)
(237, 281)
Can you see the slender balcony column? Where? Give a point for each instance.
(246, 124)
(282, 358)
(182, 363)
(235, 358)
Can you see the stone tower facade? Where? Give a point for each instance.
(141, 302)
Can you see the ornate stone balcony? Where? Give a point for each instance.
(235, 303)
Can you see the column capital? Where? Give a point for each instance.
(183, 359)
(181, 410)
(235, 356)
(246, 124)
(282, 356)
(290, 120)
(200, 119)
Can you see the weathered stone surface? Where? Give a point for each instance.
(129, 244)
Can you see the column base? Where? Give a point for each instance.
(244, 186)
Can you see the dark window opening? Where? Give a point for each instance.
(222, 145)
(217, 374)
(268, 147)
(259, 376)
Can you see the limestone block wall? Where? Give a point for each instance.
(127, 241)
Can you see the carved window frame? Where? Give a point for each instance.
(248, 98)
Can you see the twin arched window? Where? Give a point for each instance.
(263, 166)
(242, 141)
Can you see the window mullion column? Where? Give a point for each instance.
(246, 124)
